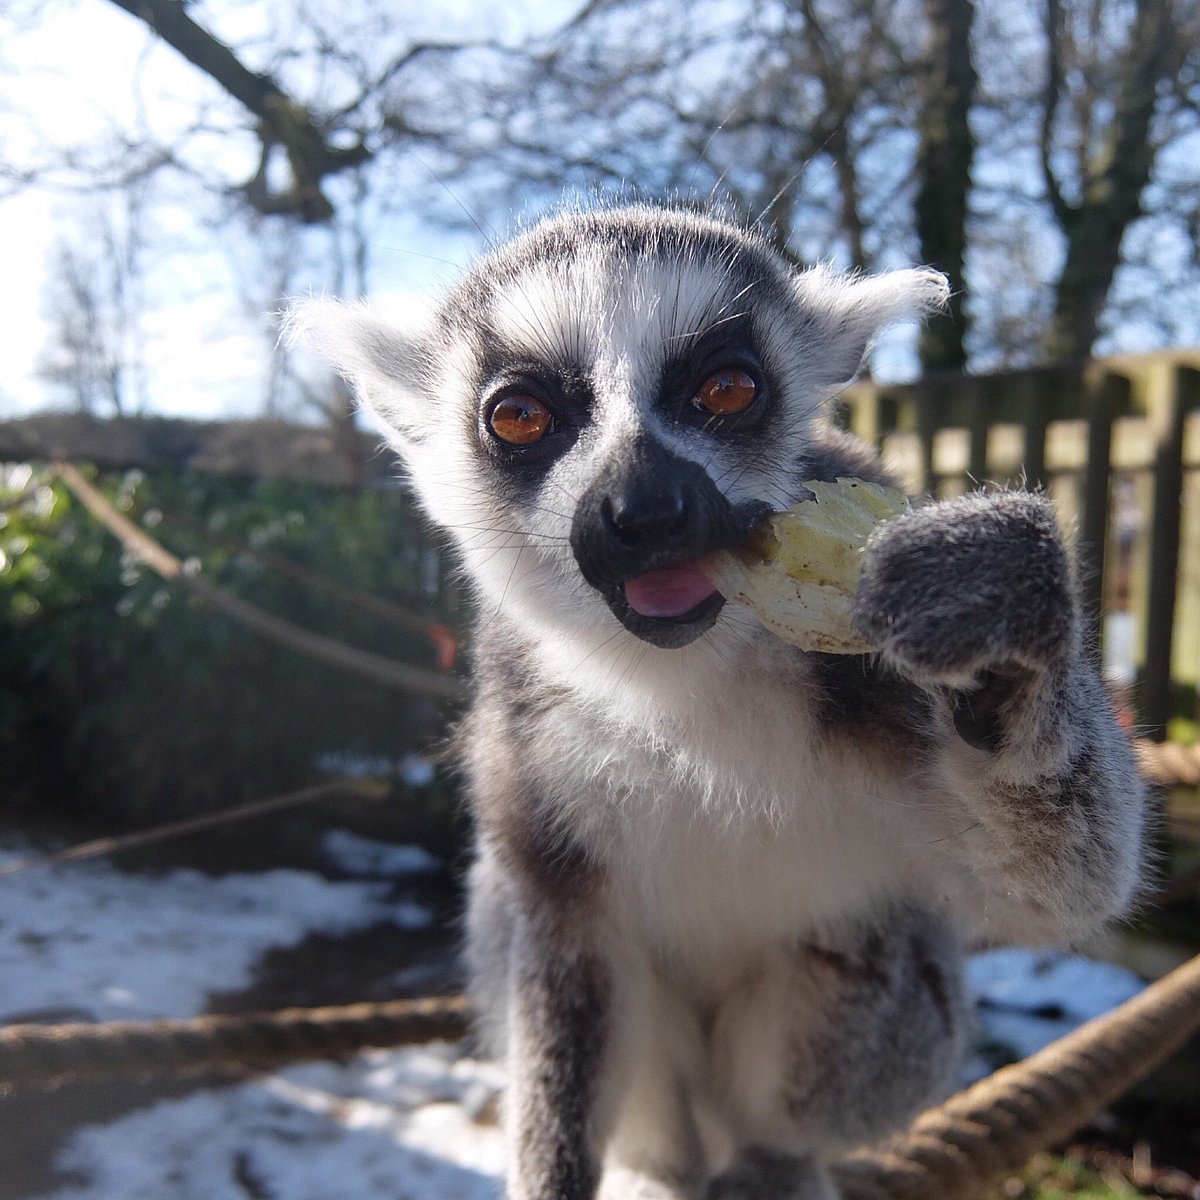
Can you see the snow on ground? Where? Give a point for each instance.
(387, 1126)
(364, 856)
(87, 941)
(1025, 999)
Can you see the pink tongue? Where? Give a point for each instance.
(668, 593)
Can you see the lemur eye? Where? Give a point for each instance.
(519, 420)
(726, 392)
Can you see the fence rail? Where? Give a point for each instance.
(1116, 443)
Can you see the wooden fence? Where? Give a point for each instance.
(1116, 443)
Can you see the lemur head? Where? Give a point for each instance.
(608, 398)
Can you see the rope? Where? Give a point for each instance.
(349, 658)
(950, 1153)
(990, 1130)
(313, 580)
(48, 1056)
(366, 789)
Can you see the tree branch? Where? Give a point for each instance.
(1064, 213)
(282, 120)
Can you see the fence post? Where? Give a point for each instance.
(930, 402)
(1035, 392)
(979, 394)
(1172, 391)
(1105, 398)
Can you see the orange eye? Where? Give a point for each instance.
(519, 420)
(726, 392)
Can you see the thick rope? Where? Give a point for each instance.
(364, 663)
(950, 1153)
(48, 1056)
(362, 789)
(992, 1129)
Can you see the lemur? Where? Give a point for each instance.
(722, 887)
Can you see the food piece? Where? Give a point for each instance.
(799, 569)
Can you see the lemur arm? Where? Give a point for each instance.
(974, 601)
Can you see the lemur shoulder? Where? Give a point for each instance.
(723, 887)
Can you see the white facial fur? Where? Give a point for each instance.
(614, 308)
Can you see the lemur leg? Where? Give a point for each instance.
(558, 1027)
(837, 1043)
(973, 599)
(541, 988)
(650, 1088)
(598, 1051)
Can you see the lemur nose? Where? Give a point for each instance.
(646, 509)
(647, 512)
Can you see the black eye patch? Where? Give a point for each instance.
(727, 347)
(560, 394)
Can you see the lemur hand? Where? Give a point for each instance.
(971, 593)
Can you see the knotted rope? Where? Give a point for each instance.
(48, 1056)
(980, 1135)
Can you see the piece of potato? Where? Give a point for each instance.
(799, 569)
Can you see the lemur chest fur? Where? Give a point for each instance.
(734, 818)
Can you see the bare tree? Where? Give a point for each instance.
(1105, 119)
(1038, 152)
(95, 303)
(872, 131)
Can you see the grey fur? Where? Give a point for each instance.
(723, 887)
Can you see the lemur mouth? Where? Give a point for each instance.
(668, 606)
(670, 593)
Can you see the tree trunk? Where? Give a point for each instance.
(944, 157)
(1112, 193)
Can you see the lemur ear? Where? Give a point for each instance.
(386, 366)
(848, 311)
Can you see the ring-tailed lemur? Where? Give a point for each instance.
(722, 886)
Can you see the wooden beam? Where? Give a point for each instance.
(302, 453)
(1177, 390)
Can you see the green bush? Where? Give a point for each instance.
(124, 696)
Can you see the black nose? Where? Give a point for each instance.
(649, 509)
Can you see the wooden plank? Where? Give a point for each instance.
(1191, 440)
(861, 400)
(1170, 393)
(902, 456)
(1033, 403)
(1107, 396)
(1006, 454)
(980, 396)
(951, 452)
(930, 404)
(303, 453)
(1066, 446)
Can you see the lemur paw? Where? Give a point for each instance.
(969, 586)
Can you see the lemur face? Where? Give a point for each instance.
(607, 399)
